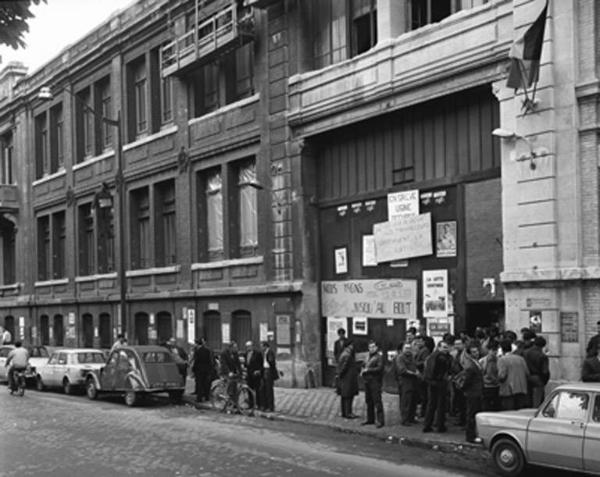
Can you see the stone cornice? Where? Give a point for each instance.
(551, 275)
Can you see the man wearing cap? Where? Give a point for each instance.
(594, 344)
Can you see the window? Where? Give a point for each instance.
(568, 406)
(6, 168)
(141, 246)
(42, 159)
(214, 215)
(241, 326)
(364, 25)
(166, 100)
(140, 93)
(86, 240)
(247, 207)
(104, 107)
(166, 227)
(85, 125)
(44, 266)
(212, 329)
(239, 73)
(330, 32)
(105, 242)
(57, 140)
(425, 12)
(58, 245)
(8, 236)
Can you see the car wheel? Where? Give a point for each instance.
(91, 390)
(508, 457)
(131, 398)
(175, 396)
(67, 388)
(39, 384)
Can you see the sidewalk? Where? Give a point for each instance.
(321, 406)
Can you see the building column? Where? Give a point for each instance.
(391, 19)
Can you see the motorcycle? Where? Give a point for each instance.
(19, 383)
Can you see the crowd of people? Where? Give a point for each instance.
(457, 377)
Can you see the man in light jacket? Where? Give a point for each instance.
(513, 374)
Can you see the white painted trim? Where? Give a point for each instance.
(93, 278)
(153, 271)
(228, 263)
(92, 160)
(47, 283)
(238, 104)
(61, 172)
(146, 139)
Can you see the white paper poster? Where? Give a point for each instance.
(360, 325)
(341, 260)
(403, 237)
(403, 203)
(191, 325)
(446, 239)
(333, 325)
(369, 259)
(225, 333)
(263, 332)
(435, 293)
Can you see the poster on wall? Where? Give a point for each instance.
(535, 321)
(360, 325)
(403, 203)
(333, 325)
(404, 237)
(435, 293)
(191, 325)
(369, 258)
(225, 333)
(445, 239)
(569, 326)
(263, 331)
(341, 260)
(283, 323)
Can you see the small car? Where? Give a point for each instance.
(563, 433)
(38, 356)
(135, 372)
(4, 350)
(68, 368)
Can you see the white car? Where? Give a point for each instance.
(38, 356)
(67, 368)
(4, 350)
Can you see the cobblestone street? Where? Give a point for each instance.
(53, 434)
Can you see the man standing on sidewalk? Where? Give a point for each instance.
(340, 344)
(373, 377)
(203, 370)
(436, 371)
(407, 384)
(347, 374)
(269, 377)
(254, 368)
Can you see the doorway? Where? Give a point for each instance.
(88, 331)
(58, 330)
(141, 328)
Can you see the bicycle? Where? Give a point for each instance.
(19, 383)
(243, 401)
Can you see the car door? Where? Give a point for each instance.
(555, 435)
(3, 355)
(109, 372)
(591, 439)
(47, 372)
(60, 368)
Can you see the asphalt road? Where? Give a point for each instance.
(51, 434)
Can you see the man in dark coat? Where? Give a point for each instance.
(347, 374)
(594, 344)
(340, 344)
(406, 369)
(473, 389)
(202, 368)
(254, 368)
(373, 377)
(179, 355)
(435, 375)
(230, 368)
(590, 371)
(270, 375)
(539, 370)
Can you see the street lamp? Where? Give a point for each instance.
(512, 136)
(104, 198)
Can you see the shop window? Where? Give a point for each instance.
(44, 255)
(364, 25)
(247, 208)
(42, 157)
(86, 240)
(141, 237)
(6, 168)
(58, 330)
(214, 214)
(212, 330)
(241, 327)
(166, 233)
(105, 330)
(58, 245)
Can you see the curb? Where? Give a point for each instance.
(465, 448)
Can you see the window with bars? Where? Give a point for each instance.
(247, 208)
(6, 170)
(166, 246)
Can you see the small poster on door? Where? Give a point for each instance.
(446, 239)
(341, 260)
(360, 325)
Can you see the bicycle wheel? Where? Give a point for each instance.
(218, 395)
(246, 400)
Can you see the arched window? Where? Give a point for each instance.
(241, 327)
(9, 325)
(44, 330)
(141, 328)
(212, 330)
(58, 330)
(87, 335)
(164, 327)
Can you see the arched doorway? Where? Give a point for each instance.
(104, 330)
(141, 328)
(164, 327)
(87, 335)
(9, 325)
(58, 329)
(212, 330)
(241, 327)
(45, 330)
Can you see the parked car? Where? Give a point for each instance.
(564, 432)
(4, 350)
(38, 356)
(68, 368)
(137, 371)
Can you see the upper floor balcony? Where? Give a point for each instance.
(230, 26)
(9, 198)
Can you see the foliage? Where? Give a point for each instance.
(14, 16)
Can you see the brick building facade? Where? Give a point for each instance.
(264, 145)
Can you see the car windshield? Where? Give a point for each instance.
(38, 352)
(87, 358)
(157, 357)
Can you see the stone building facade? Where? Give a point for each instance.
(293, 166)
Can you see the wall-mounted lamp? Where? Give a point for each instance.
(514, 137)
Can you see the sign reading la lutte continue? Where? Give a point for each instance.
(393, 298)
(403, 237)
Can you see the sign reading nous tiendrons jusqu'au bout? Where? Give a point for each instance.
(403, 237)
(392, 298)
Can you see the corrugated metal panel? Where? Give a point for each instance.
(441, 138)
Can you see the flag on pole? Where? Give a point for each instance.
(525, 54)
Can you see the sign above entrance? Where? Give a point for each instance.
(403, 237)
(403, 203)
(392, 298)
